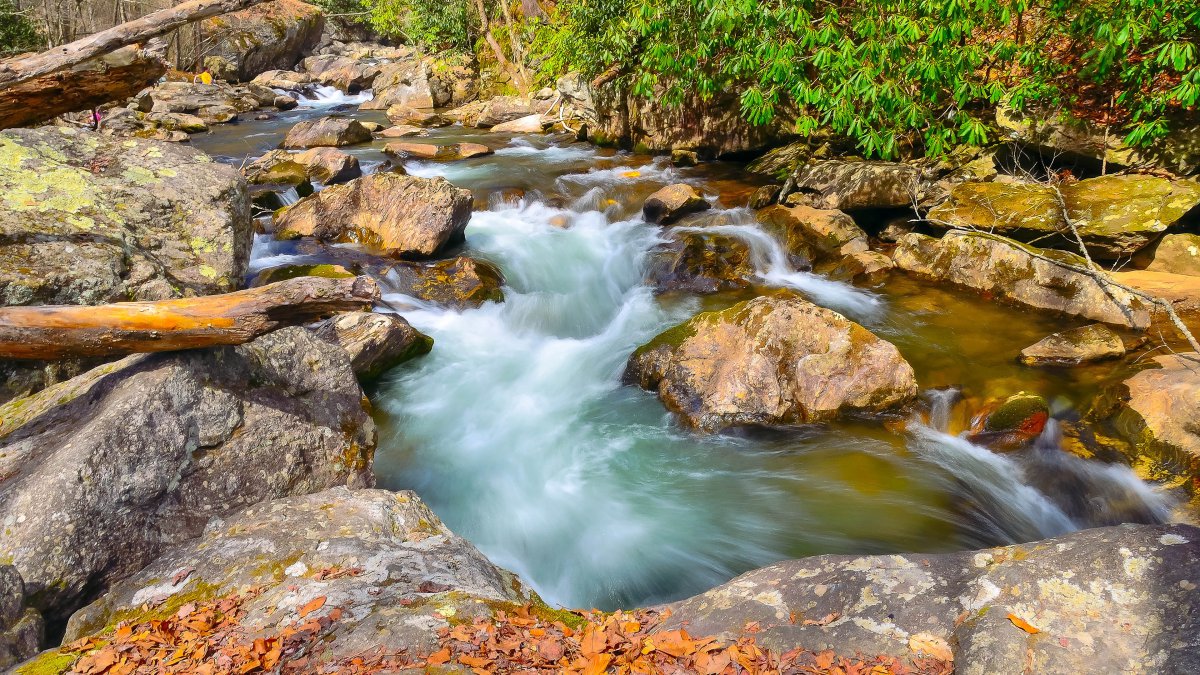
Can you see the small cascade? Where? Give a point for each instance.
(322, 96)
(289, 196)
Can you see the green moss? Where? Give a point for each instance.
(1015, 411)
(49, 663)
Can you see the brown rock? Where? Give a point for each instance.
(405, 115)
(394, 214)
(375, 342)
(324, 164)
(460, 282)
(445, 153)
(672, 203)
(327, 131)
(530, 124)
(773, 360)
(402, 131)
(820, 233)
(1075, 346)
(1173, 254)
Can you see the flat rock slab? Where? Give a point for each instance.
(1118, 599)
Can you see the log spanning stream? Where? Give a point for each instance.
(518, 432)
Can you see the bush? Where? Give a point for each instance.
(17, 32)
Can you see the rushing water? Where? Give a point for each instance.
(519, 433)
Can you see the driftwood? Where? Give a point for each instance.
(111, 77)
(24, 68)
(57, 332)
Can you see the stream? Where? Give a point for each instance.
(518, 432)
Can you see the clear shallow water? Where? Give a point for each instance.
(518, 432)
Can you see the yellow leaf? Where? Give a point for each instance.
(1023, 624)
(631, 174)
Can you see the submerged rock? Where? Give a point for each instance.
(394, 214)
(326, 165)
(375, 342)
(1075, 346)
(1173, 254)
(284, 272)
(87, 219)
(105, 471)
(1157, 411)
(695, 261)
(327, 131)
(240, 45)
(672, 203)
(772, 360)
(411, 575)
(1019, 273)
(460, 282)
(1116, 216)
(21, 627)
(1118, 598)
(1011, 423)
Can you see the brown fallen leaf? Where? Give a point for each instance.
(928, 643)
(311, 606)
(1023, 624)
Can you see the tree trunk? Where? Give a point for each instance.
(115, 76)
(24, 68)
(70, 331)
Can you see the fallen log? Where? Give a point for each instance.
(71, 331)
(156, 24)
(110, 77)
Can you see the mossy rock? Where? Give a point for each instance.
(1023, 411)
(275, 274)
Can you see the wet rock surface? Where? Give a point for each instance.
(772, 360)
(104, 471)
(1158, 411)
(460, 282)
(326, 165)
(672, 203)
(1085, 344)
(393, 214)
(86, 219)
(404, 573)
(695, 261)
(1121, 599)
(375, 342)
(807, 231)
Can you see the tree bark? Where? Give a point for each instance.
(114, 76)
(62, 331)
(24, 68)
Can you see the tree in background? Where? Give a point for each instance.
(18, 33)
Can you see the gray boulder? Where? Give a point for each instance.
(375, 342)
(273, 35)
(88, 219)
(21, 627)
(326, 132)
(848, 185)
(403, 575)
(104, 471)
(1118, 600)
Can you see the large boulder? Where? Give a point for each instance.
(530, 124)
(848, 184)
(349, 75)
(459, 283)
(87, 219)
(288, 80)
(498, 110)
(696, 261)
(1020, 273)
(407, 83)
(382, 560)
(395, 214)
(672, 203)
(214, 103)
(1158, 411)
(814, 233)
(324, 164)
(1173, 254)
(273, 35)
(772, 360)
(1117, 599)
(1116, 216)
(1086, 344)
(375, 342)
(104, 471)
(327, 132)
(21, 627)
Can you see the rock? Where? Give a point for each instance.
(695, 261)
(772, 360)
(1075, 346)
(684, 158)
(190, 124)
(326, 131)
(288, 80)
(460, 283)
(530, 124)
(106, 470)
(1011, 271)
(443, 153)
(21, 627)
(672, 203)
(376, 343)
(285, 272)
(815, 233)
(349, 75)
(395, 214)
(1116, 215)
(1181, 290)
(765, 196)
(404, 115)
(402, 131)
(1108, 594)
(498, 110)
(864, 267)
(848, 185)
(273, 35)
(404, 84)
(1012, 423)
(416, 576)
(281, 102)
(781, 162)
(1157, 410)
(215, 103)
(327, 165)
(87, 219)
(1173, 254)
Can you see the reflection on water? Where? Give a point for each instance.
(517, 431)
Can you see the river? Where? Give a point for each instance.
(519, 434)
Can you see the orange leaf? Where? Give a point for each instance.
(312, 606)
(439, 657)
(594, 640)
(597, 664)
(474, 661)
(1023, 624)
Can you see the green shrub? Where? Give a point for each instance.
(17, 32)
